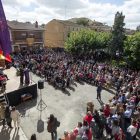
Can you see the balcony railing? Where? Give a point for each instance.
(27, 37)
(39, 39)
(20, 39)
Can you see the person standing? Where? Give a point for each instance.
(15, 116)
(99, 88)
(33, 137)
(66, 136)
(96, 118)
(52, 126)
(8, 117)
(90, 107)
(27, 80)
(132, 129)
(21, 75)
(88, 118)
(2, 113)
(115, 129)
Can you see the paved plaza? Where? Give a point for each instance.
(69, 107)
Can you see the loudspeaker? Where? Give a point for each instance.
(40, 84)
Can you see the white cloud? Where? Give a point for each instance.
(52, 9)
(16, 2)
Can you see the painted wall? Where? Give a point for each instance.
(56, 33)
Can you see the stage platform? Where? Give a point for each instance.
(14, 90)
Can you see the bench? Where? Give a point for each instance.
(23, 99)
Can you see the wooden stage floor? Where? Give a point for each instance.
(14, 81)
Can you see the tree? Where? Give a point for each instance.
(42, 24)
(87, 39)
(117, 36)
(132, 51)
(138, 28)
(82, 22)
(27, 22)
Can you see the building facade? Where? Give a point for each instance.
(58, 30)
(25, 36)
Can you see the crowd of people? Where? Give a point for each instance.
(119, 117)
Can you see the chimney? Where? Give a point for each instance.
(36, 24)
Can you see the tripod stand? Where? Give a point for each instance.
(41, 105)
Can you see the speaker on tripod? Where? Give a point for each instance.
(40, 84)
(41, 105)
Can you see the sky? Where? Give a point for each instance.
(44, 11)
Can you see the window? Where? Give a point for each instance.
(68, 35)
(73, 29)
(31, 36)
(24, 36)
(77, 29)
(69, 28)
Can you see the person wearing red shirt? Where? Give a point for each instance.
(107, 110)
(88, 134)
(88, 117)
(90, 75)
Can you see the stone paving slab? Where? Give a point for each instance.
(11, 134)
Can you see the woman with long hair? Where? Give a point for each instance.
(115, 129)
(52, 126)
(8, 117)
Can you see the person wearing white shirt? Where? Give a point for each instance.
(79, 129)
(113, 110)
(127, 94)
(131, 130)
(127, 115)
(124, 89)
(132, 105)
(15, 116)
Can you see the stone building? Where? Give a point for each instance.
(58, 30)
(25, 36)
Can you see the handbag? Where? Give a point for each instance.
(57, 124)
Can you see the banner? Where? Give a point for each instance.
(4, 33)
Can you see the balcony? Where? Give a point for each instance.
(30, 41)
(17, 39)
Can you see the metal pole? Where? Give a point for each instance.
(65, 12)
(40, 104)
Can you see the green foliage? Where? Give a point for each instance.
(42, 24)
(27, 22)
(132, 50)
(17, 72)
(117, 36)
(82, 22)
(122, 64)
(90, 39)
(114, 63)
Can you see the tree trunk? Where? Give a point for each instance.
(111, 59)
